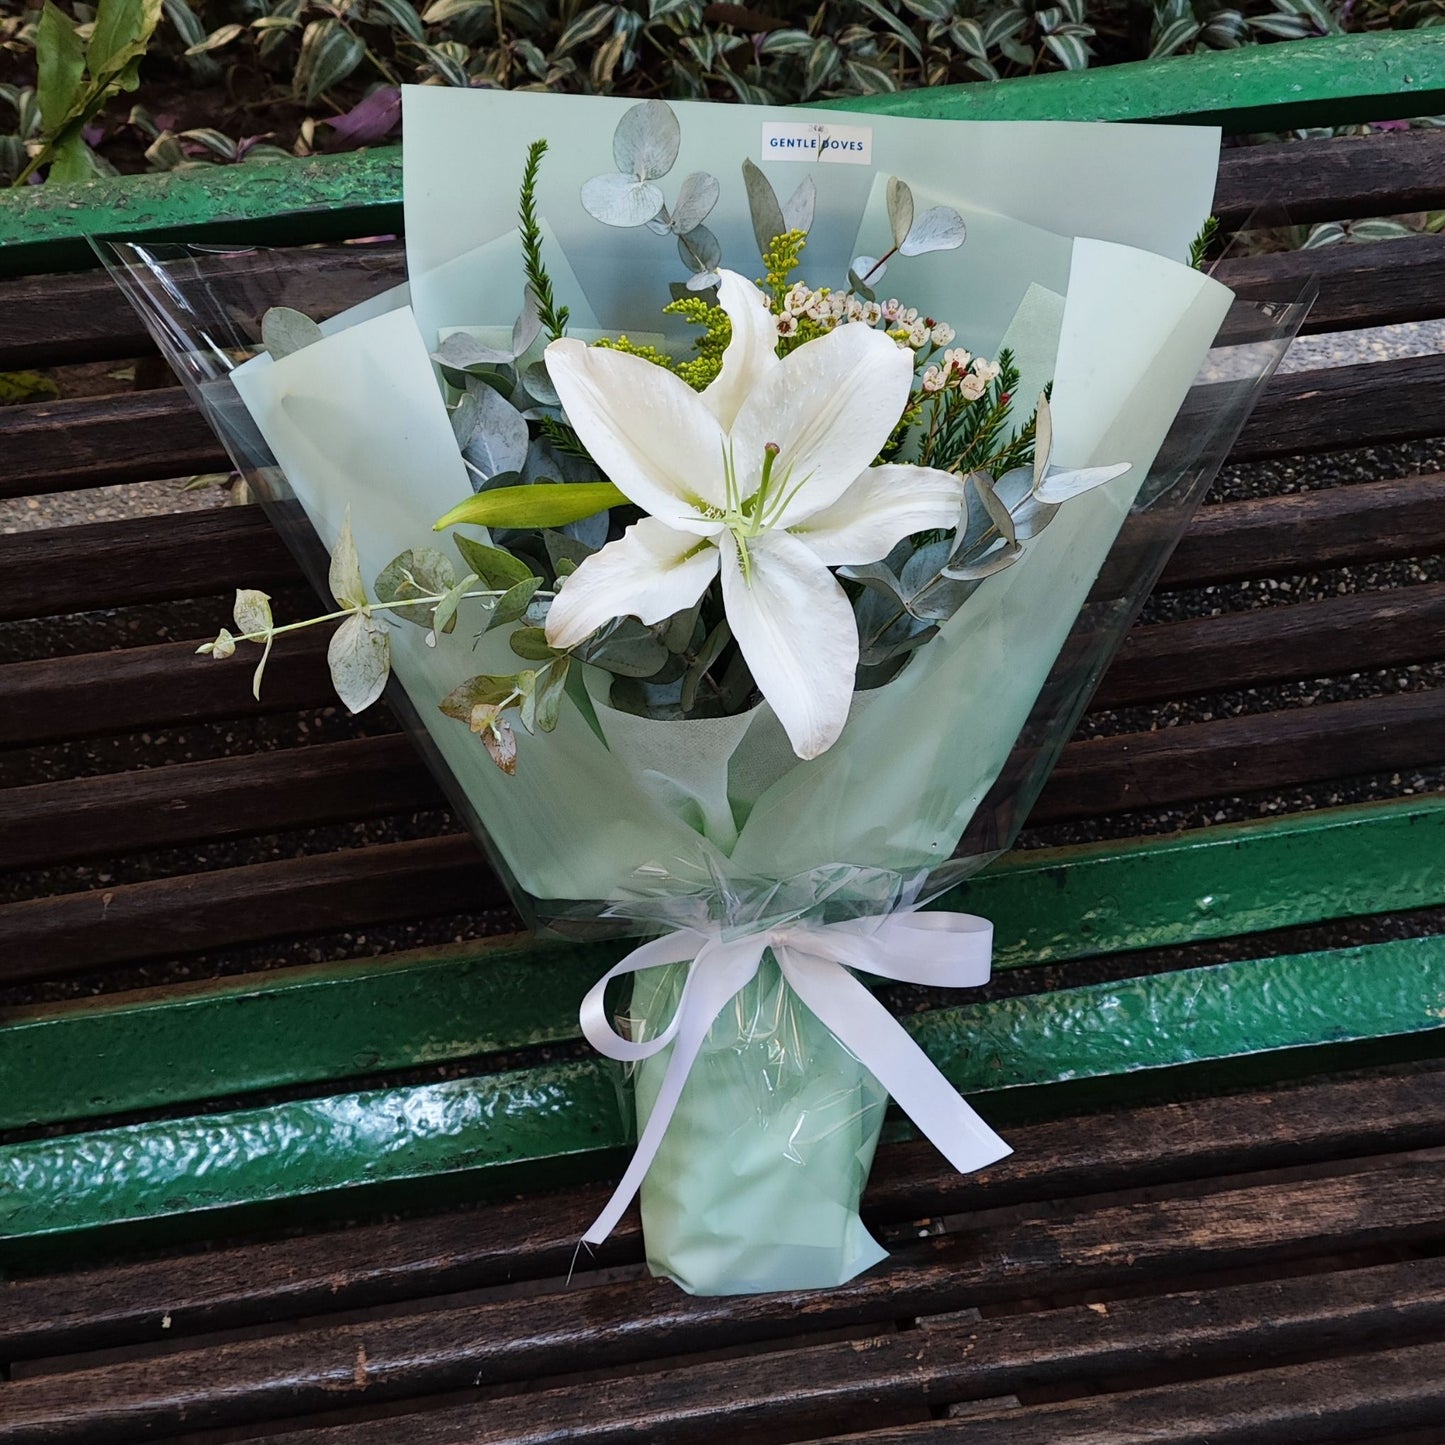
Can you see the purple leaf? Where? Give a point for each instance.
(368, 122)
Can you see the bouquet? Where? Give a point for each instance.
(745, 503)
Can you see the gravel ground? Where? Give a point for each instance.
(168, 622)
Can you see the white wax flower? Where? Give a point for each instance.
(767, 475)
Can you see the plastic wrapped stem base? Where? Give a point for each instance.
(757, 1181)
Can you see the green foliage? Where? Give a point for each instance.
(327, 54)
(75, 77)
(554, 318)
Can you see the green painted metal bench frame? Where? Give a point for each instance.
(1267, 1012)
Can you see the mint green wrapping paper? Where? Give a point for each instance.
(1074, 261)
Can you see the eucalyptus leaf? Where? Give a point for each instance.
(618, 200)
(562, 548)
(359, 659)
(695, 200)
(464, 417)
(496, 569)
(344, 577)
(551, 689)
(513, 603)
(857, 283)
(867, 272)
(1015, 490)
(626, 648)
(499, 441)
(538, 384)
(701, 253)
(799, 208)
(484, 690)
(1043, 438)
(900, 209)
(252, 612)
(647, 140)
(284, 331)
(463, 352)
(531, 643)
(940, 228)
(444, 618)
(417, 572)
(763, 207)
(534, 506)
(1060, 484)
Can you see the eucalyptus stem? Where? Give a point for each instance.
(430, 601)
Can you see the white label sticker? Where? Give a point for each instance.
(837, 144)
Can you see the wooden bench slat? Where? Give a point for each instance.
(494, 1133)
(276, 1280)
(1339, 635)
(1347, 406)
(98, 441)
(1360, 285)
(1090, 1248)
(84, 316)
(1329, 180)
(48, 700)
(346, 889)
(164, 685)
(1303, 531)
(941, 1364)
(1324, 1400)
(141, 559)
(236, 796)
(235, 1035)
(1244, 754)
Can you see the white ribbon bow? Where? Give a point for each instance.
(941, 950)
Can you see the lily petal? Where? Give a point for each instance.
(646, 428)
(885, 505)
(830, 406)
(752, 353)
(650, 572)
(796, 631)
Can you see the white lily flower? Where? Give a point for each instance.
(766, 475)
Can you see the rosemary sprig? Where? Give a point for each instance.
(554, 317)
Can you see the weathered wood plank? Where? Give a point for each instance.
(115, 813)
(141, 559)
(83, 316)
(1379, 284)
(349, 888)
(1330, 180)
(1091, 1248)
(980, 1360)
(51, 698)
(1244, 754)
(1273, 644)
(1304, 531)
(1342, 1399)
(532, 1239)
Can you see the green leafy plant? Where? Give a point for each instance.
(77, 75)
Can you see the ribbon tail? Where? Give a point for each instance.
(863, 1025)
(718, 972)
